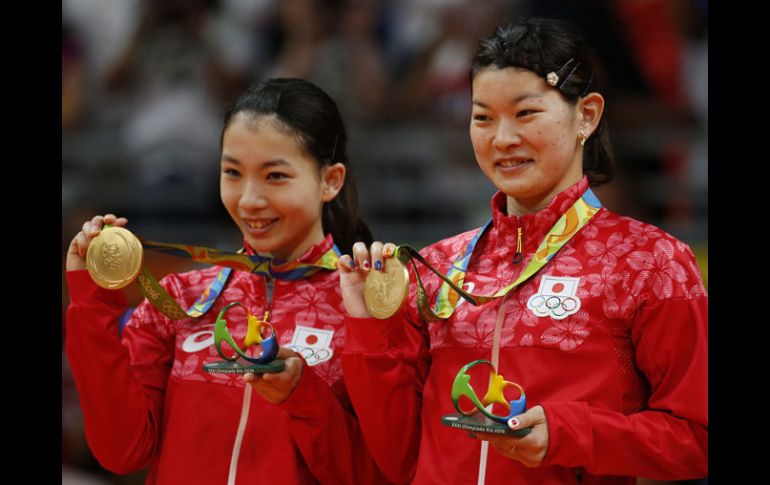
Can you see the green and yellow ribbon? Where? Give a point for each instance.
(569, 224)
(262, 265)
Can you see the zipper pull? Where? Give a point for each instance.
(518, 256)
(269, 286)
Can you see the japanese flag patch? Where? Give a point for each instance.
(314, 344)
(556, 298)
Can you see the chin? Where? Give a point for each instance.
(258, 246)
(514, 189)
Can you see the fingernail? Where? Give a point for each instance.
(378, 265)
(366, 265)
(387, 252)
(513, 423)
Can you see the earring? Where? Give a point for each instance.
(582, 137)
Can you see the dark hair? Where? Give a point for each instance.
(548, 45)
(312, 116)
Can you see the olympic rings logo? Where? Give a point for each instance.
(312, 355)
(558, 306)
(172, 311)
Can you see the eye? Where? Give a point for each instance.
(231, 172)
(525, 112)
(481, 118)
(277, 176)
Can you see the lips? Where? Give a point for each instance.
(509, 163)
(259, 226)
(258, 223)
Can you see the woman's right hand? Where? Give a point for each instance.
(353, 271)
(76, 255)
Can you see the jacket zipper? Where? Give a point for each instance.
(246, 400)
(518, 256)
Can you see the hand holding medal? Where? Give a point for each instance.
(113, 257)
(78, 249)
(386, 290)
(374, 281)
(379, 288)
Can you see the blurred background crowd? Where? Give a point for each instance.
(145, 82)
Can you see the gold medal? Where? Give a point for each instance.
(386, 290)
(114, 258)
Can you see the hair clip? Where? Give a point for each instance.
(588, 86)
(553, 79)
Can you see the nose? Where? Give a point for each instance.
(506, 135)
(253, 197)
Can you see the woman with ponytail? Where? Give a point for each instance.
(285, 179)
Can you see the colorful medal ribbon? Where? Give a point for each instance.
(265, 266)
(569, 224)
(268, 267)
(167, 305)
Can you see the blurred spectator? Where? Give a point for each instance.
(103, 27)
(692, 20)
(173, 85)
(653, 55)
(335, 44)
(436, 85)
(72, 79)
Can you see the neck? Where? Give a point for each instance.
(315, 236)
(521, 206)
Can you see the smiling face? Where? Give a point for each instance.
(525, 137)
(272, 188)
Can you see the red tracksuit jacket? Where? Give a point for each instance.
(147, 400)
(623, 381)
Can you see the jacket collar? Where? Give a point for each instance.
(310, 256)
(534, 226)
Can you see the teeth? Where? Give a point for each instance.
(258, 224)
(511, 163)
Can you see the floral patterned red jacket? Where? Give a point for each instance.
(148, 402)
(622, 376)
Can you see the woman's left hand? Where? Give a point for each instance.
(278, 386)
(530, 450)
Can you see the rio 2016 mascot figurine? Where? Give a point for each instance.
(495, 395)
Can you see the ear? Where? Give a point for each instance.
(591, 108)
(332, 180)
